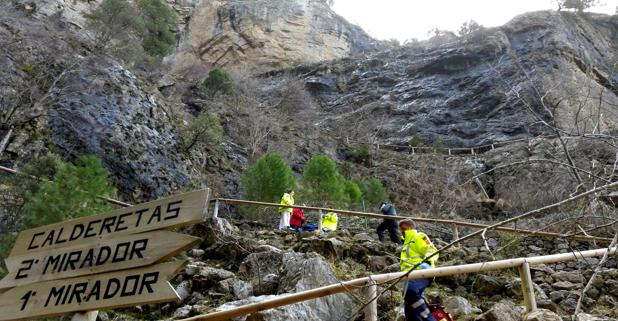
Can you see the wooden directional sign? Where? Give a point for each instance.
(96, 256)
(169, 212)
(102, 291)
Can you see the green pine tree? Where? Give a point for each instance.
(66, 191)
(267, 179)
(373, 191)
(158, 20)
(322, 182)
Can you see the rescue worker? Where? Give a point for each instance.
(388, 224)
(416, 248)
(329, 221)
(286, 199)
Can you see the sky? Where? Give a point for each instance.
(405, 19)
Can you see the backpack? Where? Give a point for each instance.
(440, 312)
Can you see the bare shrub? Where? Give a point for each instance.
(434, 186)
(269, 109)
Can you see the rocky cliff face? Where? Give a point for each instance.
(490, 86)
(265, 35)
(60, 97)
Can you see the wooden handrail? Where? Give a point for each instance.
(374, 215)
(423, 220)
(472, 150)
(351, 285)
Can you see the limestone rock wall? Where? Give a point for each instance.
(267, 34)
(494, 85)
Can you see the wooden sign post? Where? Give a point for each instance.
(100, 261)
(108, 290)
(175, 211)
(129, 251)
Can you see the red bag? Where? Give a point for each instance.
(440, 313)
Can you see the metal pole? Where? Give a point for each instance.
(527, 288)
(85, 316)
(371, 293)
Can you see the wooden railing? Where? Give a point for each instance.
(451, 223)
(369, 284)
(474, 150)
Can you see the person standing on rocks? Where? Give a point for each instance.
(415, 253)
(288, 200)
(388, 224)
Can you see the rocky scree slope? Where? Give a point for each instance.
(492, 85)
(231, 268)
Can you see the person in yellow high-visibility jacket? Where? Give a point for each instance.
(286, 199)
(329, 221)
(415, 255)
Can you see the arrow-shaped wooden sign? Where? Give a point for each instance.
(103, 291)
(169, 212)
(96, 256)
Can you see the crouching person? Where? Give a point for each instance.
(329, 222)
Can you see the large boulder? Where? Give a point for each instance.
(501, 311)
(330, 248)
(262, 263)
(458, 306)
(238, 288)
(513, 289)
(542, 315)
(223, 240)
(569, 276)
(307, 271)
(566, 285)
(262, 269)
(380, 263)
(486, 285)
(589, 317)
(300, 272)
(285, 313)
(612, 287)
(205, 277)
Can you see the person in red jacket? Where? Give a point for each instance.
(297, 219)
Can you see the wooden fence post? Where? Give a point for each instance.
(320, 222)
(527, 288)
(85, 316)
(5, 141)
(215, 213)
(371, 293)
(455, 233)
